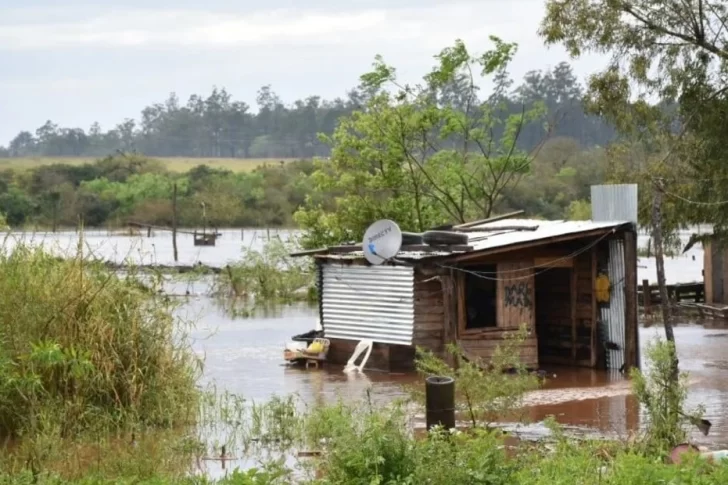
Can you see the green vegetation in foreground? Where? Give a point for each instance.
(85, 354)
(364, 442)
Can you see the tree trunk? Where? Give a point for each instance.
(660, 265)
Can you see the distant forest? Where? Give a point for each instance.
(218, 126)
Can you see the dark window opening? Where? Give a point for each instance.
(480, 297)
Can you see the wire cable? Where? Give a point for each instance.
(543, 267)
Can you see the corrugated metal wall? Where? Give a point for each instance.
(368, 302)
(617, 202)
(614, 314)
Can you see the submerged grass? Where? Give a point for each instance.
(263, 278)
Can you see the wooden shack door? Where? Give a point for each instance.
(555, 290)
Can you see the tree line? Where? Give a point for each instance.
(217, 125)
(115, 189)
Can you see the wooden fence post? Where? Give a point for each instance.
(646, 296)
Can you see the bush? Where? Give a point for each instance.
(83, 349)
(663, 398)
(267, 276)
(486, 391)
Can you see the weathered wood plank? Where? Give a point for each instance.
(515, 295)
(594, 309)
(630, 285)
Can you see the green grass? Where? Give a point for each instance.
(174, 164)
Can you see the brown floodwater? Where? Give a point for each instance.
(245, 356)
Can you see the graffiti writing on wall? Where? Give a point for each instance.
(518, 295)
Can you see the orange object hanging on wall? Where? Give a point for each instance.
(602, 288)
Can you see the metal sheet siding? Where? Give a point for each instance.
(368, 302)
(616, 202)
(615, 314)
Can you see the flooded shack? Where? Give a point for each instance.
(572, 283)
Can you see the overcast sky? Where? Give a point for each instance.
(76, 61)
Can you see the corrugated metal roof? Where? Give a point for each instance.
(489, 236)
(545, 230)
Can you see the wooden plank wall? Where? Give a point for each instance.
(483, 346)
(515, 295)
(429, 326)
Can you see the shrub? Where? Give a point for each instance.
(663, 398)
(486, 391)
(82, 349)
(267, 276)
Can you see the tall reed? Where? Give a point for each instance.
(82, 348)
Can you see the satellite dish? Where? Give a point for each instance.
(382, 241)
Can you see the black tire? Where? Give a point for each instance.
(411, 238)
(444, 238)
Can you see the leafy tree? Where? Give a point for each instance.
(16, 205)
(674, 51)
(421, 155)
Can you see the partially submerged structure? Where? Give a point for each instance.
(572, 283)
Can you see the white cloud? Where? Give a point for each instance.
(189, 28)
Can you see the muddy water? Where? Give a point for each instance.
(245, 356)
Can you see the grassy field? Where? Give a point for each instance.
(174, 164)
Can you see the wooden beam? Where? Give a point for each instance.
(573, 286)
(594, 337)
(630, 301)
(308, 252)
(499, 228)
(553, 262)
(462, 309)
(489, 219)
